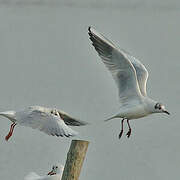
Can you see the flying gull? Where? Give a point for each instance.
(130, 76)
(51, 121)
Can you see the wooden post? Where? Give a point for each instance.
(74, 161)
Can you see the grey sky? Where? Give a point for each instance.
(47, 59)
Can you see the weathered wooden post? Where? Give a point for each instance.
(74, 161)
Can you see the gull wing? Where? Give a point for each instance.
(141, 72)
(119, 65)
(68, 120)
(46, 122)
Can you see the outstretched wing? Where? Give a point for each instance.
(118, 64)
(71, 121)
(141, 72)
(48, 123)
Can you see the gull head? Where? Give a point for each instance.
(56, 169)
(55, 112)
(160, 108)
(46, 110)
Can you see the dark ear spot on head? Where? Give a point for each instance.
(157, 106)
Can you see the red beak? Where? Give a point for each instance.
(51, 173)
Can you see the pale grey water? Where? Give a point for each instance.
(46, 59)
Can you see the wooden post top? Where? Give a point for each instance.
(75, 159)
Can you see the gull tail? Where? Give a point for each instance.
(8, 114)
(113, 117)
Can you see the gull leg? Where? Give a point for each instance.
(121, 128)
(129, 132)
(10, 132)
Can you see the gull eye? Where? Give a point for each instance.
(56, 167)
(56, 113)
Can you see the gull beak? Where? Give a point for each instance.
(51, 173)
(166, 112)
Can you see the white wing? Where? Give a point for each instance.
(32, 176)
(141, 72)
(118, 64)
(46, 122)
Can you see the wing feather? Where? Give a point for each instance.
(46, 122)
(71, 121)
(118, 64)
(141, 72)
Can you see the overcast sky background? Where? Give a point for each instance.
(47, 59)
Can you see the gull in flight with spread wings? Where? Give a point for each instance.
(130, 76)
(54, 174)
(51, 121)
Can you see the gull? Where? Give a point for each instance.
(51, 121)
(130, 76)
(54, 174)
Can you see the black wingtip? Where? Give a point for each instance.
(67, 135)
(89, 31)
(89, 28)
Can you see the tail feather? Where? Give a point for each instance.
(113, 117)
(9, 114)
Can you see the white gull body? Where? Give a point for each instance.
(130, 76)
(54, 174)
(49, 120)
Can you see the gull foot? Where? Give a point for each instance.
(128, 133)
(120, 134)
(8, 136)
